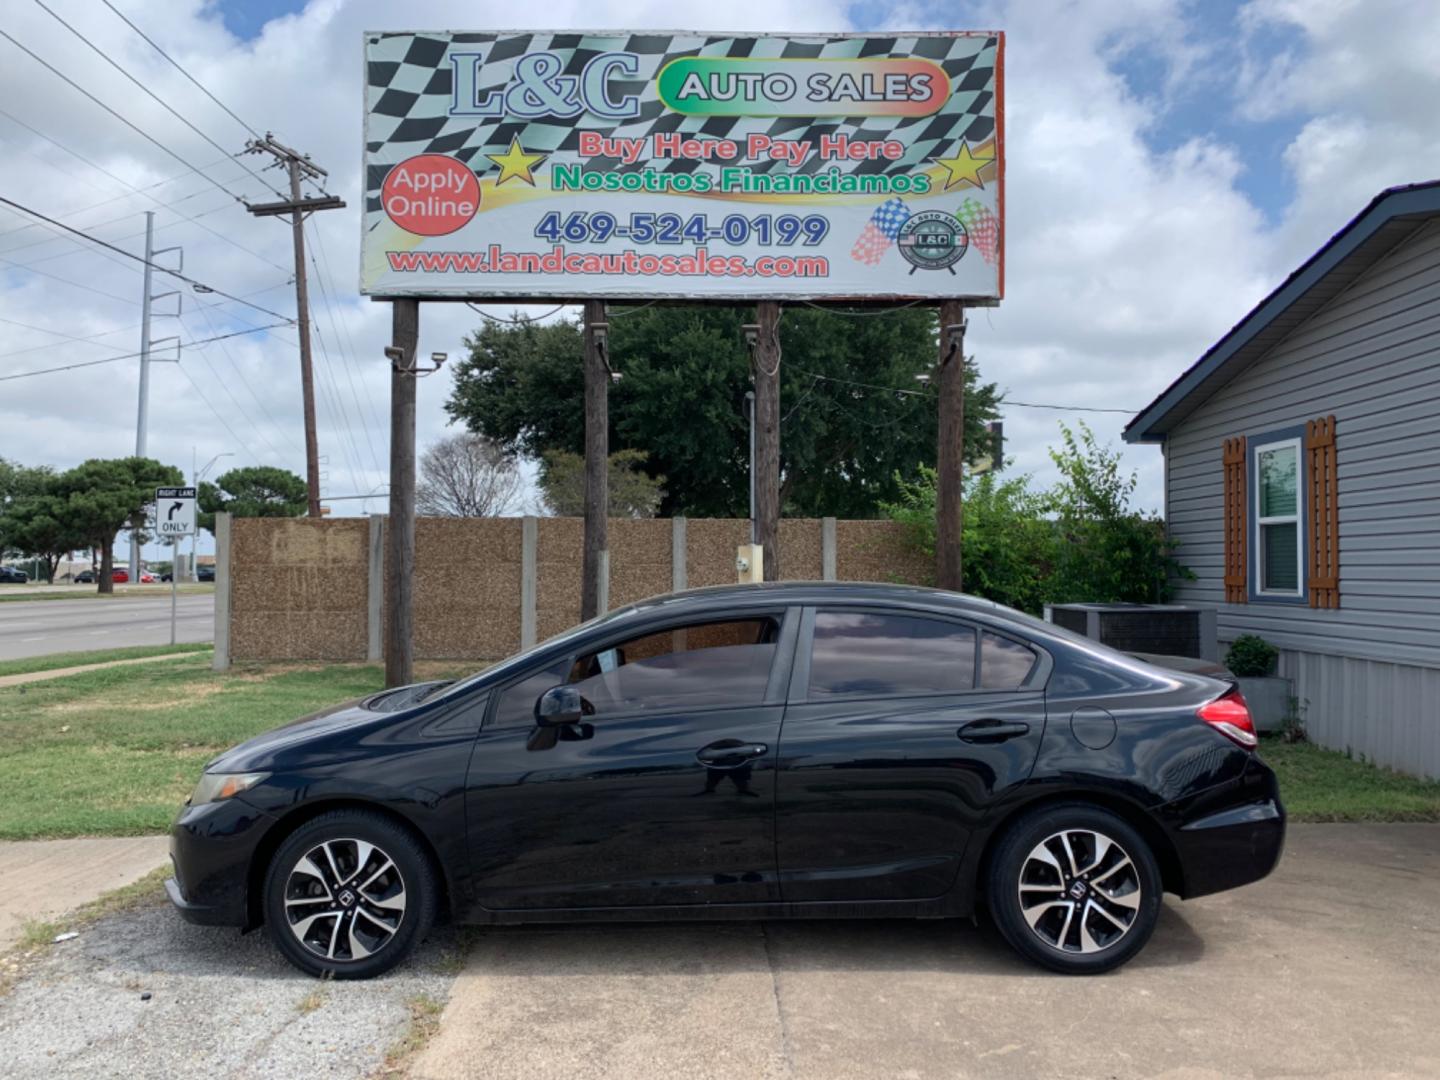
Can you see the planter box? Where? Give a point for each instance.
(1269, 699)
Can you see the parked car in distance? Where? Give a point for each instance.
(147, 578)
(11, 576)
(759, 751)
(205, 573)
(119, 575)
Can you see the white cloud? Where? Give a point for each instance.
(1124, 263)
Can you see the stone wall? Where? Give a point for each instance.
(311, 590)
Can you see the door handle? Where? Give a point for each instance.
(992, 731)
(729, 753)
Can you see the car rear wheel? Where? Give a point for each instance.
(1075, 888)
(349, 895)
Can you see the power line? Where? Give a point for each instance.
(150, 93)
(224, 385)
(179, 68)
(128, 123)
(923, 393)
(130, 356)
(192, 282)
(140, 191)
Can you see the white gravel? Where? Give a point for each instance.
(219, 1005)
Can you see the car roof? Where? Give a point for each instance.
(817, 592)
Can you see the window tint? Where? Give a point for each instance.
(516, 707)
(716, 663)
(1003, 663)
(858, 653)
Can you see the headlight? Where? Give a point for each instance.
(216, 786)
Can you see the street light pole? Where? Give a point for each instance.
(196, 475)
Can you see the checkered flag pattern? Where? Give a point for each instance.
(880, 231)
(983, 226)
(409, 88)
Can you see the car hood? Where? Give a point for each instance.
(310, 738)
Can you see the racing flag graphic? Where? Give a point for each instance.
(983, 226)
(880, 231)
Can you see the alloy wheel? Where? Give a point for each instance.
(345, 899)
(1079, 891)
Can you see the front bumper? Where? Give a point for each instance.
(1229, 836)
(212, 847)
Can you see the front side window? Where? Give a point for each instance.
(687, 667)
(867, 654)
(1278, 558)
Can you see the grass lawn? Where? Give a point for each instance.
(89, 592)
(115, 752)
(55, 661)
(1325, 785)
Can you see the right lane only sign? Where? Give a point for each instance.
(174, 512)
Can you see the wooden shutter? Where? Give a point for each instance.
(1237, 533)
(1324, 513)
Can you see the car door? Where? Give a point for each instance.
(903, 727)
(664, 794)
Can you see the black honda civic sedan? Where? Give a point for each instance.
(746, 752)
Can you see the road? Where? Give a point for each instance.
(42, 627)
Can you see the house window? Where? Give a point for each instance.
(1279, 552)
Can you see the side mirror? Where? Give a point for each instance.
(561, 705)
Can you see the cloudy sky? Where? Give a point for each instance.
(1168, 164)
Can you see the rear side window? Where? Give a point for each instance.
(872, 654)
(1004, 664)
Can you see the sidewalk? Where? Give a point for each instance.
(56, 673)
(41, 879)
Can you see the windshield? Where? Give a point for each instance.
(504, 667)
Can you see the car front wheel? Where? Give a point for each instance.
(349, 895)
(1075, 888)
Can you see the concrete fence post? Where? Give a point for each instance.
(827, 549)
(602, 586)
(529, 561)
(222, 592)
(679, 570)
(375, 594)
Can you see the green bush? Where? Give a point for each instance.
(1251, 656)
(1078, 541)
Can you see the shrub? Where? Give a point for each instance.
(1251, 656)
(1078, 541)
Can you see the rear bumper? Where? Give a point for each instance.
(1230, 836)
(211, 849)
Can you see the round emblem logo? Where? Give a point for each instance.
(933, 240)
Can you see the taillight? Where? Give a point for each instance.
(1230, 716)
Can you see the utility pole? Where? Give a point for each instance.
(400, 529)
(950, 458)
(765, 367)
(299, 208)
(595, 569)
(142, 418)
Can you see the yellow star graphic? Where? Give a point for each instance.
(516, 162)
(964, 167)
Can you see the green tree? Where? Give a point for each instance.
(1078, 541)
(33, 517)
(256, 491)
(633, 492)
(1007, 541)
(1107, 551)
(101, 496)
(854, 422)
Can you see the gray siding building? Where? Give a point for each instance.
(1302, 481)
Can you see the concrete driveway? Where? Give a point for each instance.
(1331, 967)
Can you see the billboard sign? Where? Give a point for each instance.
(698, 166)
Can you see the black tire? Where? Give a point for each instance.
(1056, 940)
(354, 905)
